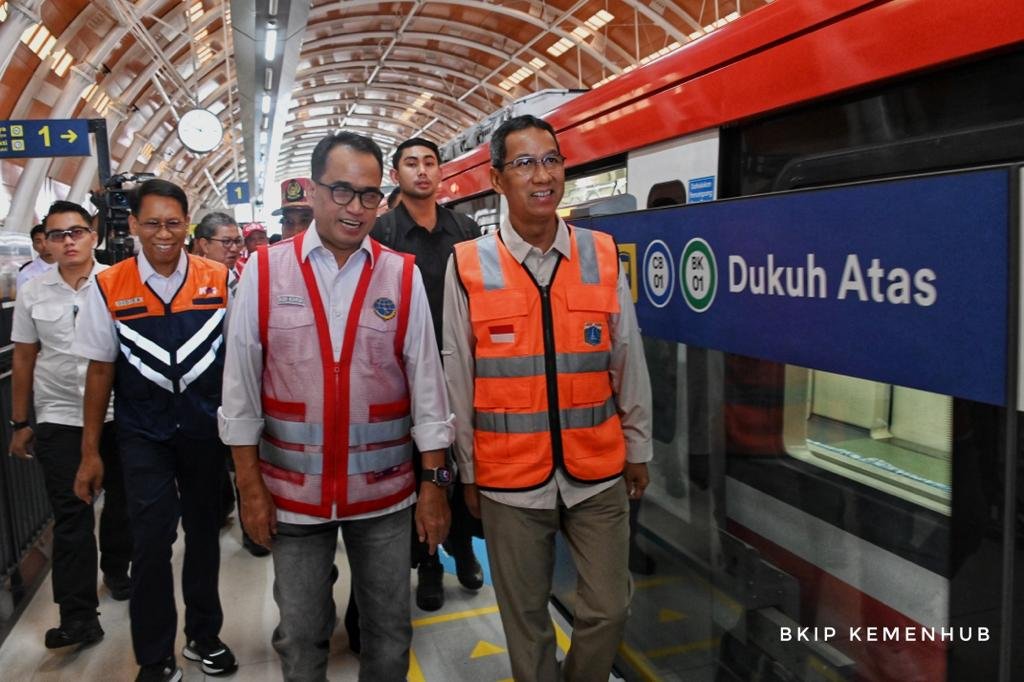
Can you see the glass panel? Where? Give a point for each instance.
(783, 497)
(596, 186)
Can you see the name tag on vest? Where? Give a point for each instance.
(127, 301)
(285, 299)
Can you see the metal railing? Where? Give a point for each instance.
(24, 506)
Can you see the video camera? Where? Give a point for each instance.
(114, 205)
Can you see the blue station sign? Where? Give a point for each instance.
(238, 193)
(904, 282)
(44, 138)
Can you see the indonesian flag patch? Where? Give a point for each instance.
(502, 333)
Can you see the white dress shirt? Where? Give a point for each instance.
(96, 336)
(37, 267)
(631, 384)
(46, 312)
(241, 412)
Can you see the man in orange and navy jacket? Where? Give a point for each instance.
(152, 330)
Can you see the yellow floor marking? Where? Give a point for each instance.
(639, 663)
(561, 638)
(669, 616)
(657, 582)
(508, 679)
(483, 648)
(415, 672)
(448, 617)
(683, 648)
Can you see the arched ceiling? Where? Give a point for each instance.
(393, 70)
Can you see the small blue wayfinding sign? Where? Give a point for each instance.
(44, 138)
(238, 193)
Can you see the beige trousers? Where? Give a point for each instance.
(521, 550)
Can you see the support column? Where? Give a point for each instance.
(31, 181)
(20, 15)
(86, 176)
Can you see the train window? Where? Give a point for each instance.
(671, 193)
(892, 438)
(485, 210)
(599, 185)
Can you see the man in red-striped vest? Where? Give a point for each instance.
(549, 385)
(332, 373)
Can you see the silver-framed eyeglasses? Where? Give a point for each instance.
(526, 165)
(228, 243)
(343, 193)
(77, 234)
(174, 225)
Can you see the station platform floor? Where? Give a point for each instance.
(463, 641)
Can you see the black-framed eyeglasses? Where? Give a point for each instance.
(174, 225)
(227, 243)
(76, 233)
(527, 165)
(343, 193)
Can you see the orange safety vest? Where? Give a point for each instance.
(542, 389)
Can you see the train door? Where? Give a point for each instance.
(809, 518)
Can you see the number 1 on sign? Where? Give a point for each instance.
(45, 132)
(238, 193)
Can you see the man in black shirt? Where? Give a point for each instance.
(418, 225)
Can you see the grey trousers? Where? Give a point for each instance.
(378, 556)
(521, 549)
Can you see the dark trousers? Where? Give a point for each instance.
(58, 449)
(165, 481)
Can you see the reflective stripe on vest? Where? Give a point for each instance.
(537, 422)
(358, 434)
(533, 365)
(293, 432)
(311, 464)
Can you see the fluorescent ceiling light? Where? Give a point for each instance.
(265, 106)
(270, 47)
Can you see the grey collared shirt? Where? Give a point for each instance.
(630, 383)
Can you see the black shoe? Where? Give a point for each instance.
(120, 586)
(166, 670)
(252, 548)
(355, 642)
(82, 632)
(214, 655)
(468, 571)
(430, 588)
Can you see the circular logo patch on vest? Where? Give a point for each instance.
(385, 308)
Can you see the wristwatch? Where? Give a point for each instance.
(441, 476)
(17, 426)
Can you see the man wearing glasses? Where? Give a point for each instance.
(332, 373)
(46, 369)
(549, 386)
(219, 239)
(152, 329)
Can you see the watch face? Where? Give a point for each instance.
(443, 476)
(200, 130)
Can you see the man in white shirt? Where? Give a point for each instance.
(45, 313)
(331, 359)
(43, 260)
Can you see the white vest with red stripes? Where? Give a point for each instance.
(336, 429)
